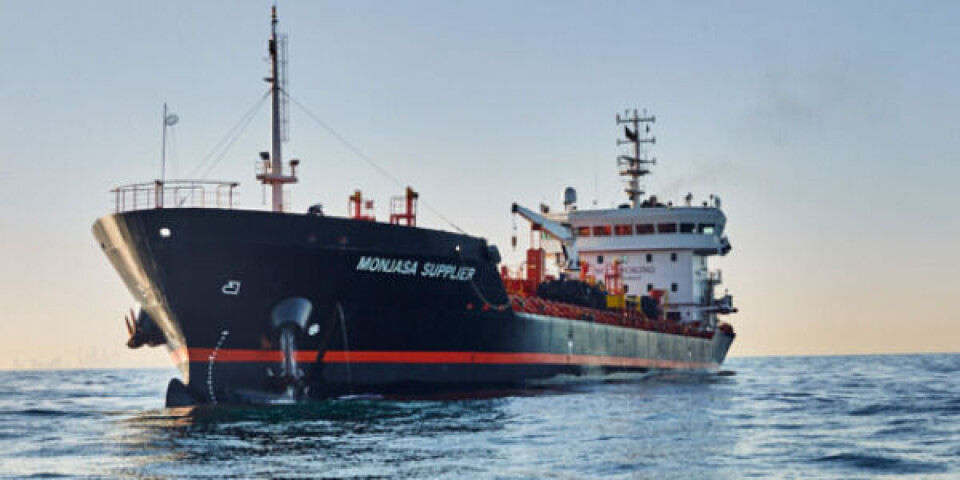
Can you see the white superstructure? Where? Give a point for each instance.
(644, 247)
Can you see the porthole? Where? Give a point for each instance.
(165, 232)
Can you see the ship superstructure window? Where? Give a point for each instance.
(673, 257)
(601, 231)
(673, 287)
(649, 287)
(583, 231)
(667, 227)
(707, 228)
(645, 229)
(623, 229)
(599, 259)
(649, 258)
(687, 227)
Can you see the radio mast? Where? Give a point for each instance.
(272, 171)
(635, 166)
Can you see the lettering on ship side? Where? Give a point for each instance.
(409, 267)
(637, 272)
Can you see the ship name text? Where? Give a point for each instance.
(635, 272)
(408, 267)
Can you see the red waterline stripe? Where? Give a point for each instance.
(231, 355)
(414, 357)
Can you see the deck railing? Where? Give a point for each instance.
(175, 194)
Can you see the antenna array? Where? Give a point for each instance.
(635, 166)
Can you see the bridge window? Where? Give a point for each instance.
(601, 231)
(645, 229)
(687, 227)
(667, 227)
(623, 229)
(583, 231)
(707, 228)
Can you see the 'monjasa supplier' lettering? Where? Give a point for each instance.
(402, 266)
(447, 271)
(387, 265)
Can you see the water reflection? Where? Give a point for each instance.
(356, 435)
(593, 429)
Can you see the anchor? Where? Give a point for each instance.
(289, 319)
(143, 330)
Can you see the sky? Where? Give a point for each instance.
(829, 129)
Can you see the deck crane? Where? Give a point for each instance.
(556, 230)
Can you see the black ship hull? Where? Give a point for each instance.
(258, 306)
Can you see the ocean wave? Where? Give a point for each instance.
(786, 417)
(44, 412)
(881, 464)
(899, 408)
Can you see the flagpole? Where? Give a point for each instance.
(163, 149)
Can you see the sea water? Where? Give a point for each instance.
(785, 417)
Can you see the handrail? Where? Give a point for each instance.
(175, 194)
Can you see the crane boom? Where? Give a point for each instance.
(556, 230)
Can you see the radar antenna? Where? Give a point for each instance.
(635, 166)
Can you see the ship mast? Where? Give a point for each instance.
(634, 166)
(272, 171)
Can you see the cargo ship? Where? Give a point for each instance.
(274, 306)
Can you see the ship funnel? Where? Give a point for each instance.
(570, 198)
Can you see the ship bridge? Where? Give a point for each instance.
(643, 248)
(699, 229)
